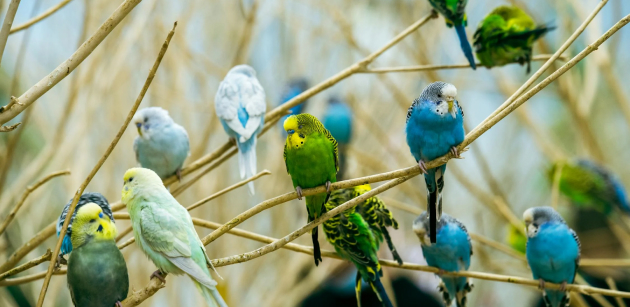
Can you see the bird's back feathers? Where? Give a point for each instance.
(86, 198)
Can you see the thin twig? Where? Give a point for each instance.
(9, 128)
(555, 190)
(6, 27)
(613, 286)
(29, 246)
(228, 189)
(40, 17)
(113, 144)
(45, 257)
(28, 191)
(10, 111)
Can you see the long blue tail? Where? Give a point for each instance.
(378, 288)
(555, 298)
(463, 42)
(247, 160)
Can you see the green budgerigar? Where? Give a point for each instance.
(516, 239)
(311, 158)
(378, 217)
(165, 233)
(506, 36)
(355, 241)
(97, 272)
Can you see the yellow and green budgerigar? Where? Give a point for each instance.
(357, 242)
(506, 36)
(165, 233)
(378, 217)
(311, 158)
(97, 272)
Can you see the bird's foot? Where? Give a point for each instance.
(423, 167)
(563, 286)
(455, 152)
(298, 190)
(541, 284)
(233, 141)
(178, 173)
(441, 272)
(159, 275)
(60, 260)
(119, 304)
(328, 185)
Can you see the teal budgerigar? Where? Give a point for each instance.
(162, 145)
(378, 217)
(311, 158)
(240, 106)
(553, 252)
(591, 185)
(164, 231)
(454, 12)
(354, 240)
(339, 120)
(506, 36)
(97, 272)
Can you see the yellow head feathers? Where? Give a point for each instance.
(138, 176)
(91, 223)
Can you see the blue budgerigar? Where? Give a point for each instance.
(435, 126)
(240, 105)
(161, 145)
(454, 12)
(553, 252)
(293, 88)
(86, 198)
(451, 253)
(338, 120)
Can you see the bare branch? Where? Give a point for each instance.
(228, 189)
(45, 257)
(6, 27)
(41, 17)
(9, 128)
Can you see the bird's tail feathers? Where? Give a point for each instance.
(391, 246)
(378, 288)
(463, 42)
(357, 288)
(247, 161)
(460, 297)
(211, 296)
(555, 298)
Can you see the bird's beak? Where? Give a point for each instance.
(139, 126)
(451, 108)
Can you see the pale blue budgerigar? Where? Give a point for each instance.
(338, 119)
(86, 198)
(553, 252)
(240, 105)
(435, 126)
(451, 253)
(165, 233)
(161, 144)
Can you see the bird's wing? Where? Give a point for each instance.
(344, 234)
(577, 240)
(189, 266)
(186, 138)
(164, 232)
(332, 140)
(226, 104)
(461, 225)
(284, 154)
(253, 96)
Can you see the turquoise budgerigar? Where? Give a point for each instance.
(339, 120)
(164, 231)
(86, 198)
(293, 88)
(454, 12)
(506, 36)
(435, 126)
(161, 145)
(589, 184)
(553, 252)
(240, 106)
(97, 272)
(355, 241)
(311, 158)
(451, 253)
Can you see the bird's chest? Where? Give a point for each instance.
(431, 134)
(552, 254)
(311, 161)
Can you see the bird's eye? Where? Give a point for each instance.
(130, 179)
(92, 220)
(146, 119)
(439, 95)
(300, 127)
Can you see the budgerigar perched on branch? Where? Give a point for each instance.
(354, 240)
(553, 252)
(435, 126)
(454, 12)
(376, 214)
(97, 272)
(164, 231)
(451, 253)
(506, 36)
(311, 158)
(240, 105)
(588, 184)
(338, 120)
(86, 198)
(161, 145)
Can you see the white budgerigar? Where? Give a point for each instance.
(240, 105)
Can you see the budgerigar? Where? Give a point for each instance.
(97, 272)
(506, 36)
(310, 155)
(591, 185)
(553, 252)
(86, 198)
(240, 106)
(338, 120)
(376, 214)
(435, 126)
(164, 231)
(451, 253)
(161, 144)
(354, 240)
(454, 12)
(516, 239)
(293, 88)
